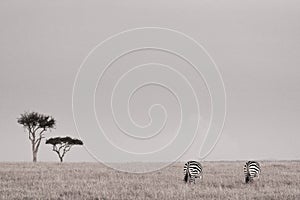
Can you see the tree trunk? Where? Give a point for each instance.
(34, 156)
(34, 151)
(61, 159)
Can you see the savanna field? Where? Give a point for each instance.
(221, 180)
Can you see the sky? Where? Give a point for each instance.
(255, 45)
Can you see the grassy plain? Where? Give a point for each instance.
(221, 180)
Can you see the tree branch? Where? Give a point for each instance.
(54, 148)
(30, 136)
(36, 128)
(42, 131)
(66, 149)
(30, 133)
(62, 146)
(41, 136)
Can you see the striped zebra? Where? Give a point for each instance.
(192, 170)
(251, 170)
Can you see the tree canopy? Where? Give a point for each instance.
(34, 120)
(64, 140)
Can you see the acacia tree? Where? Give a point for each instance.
(36, 124)
(61, 145)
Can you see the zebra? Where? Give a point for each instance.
(251, 170)
(192, 170)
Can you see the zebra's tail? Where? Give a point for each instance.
(247, 178)
(186, 177)
(187, 173)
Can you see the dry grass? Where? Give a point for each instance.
(222, 180)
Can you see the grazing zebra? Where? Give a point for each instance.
(192, 170)
(251, 170)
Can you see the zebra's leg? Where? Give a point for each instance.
(192, 180)
(250, 179)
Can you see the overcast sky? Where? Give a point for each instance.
(256, 45)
